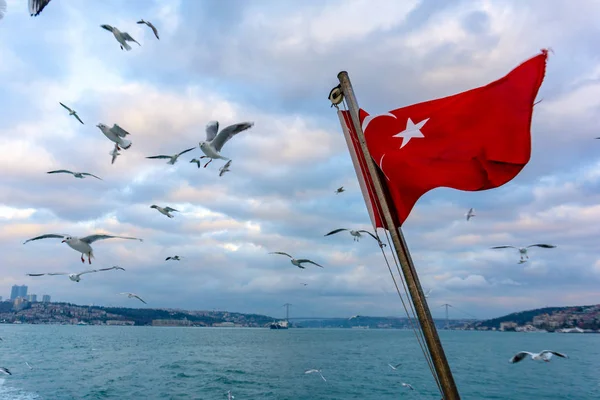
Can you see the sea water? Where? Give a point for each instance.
(110, 362)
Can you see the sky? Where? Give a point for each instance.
(274, 63)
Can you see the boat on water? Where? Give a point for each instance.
(279, 325)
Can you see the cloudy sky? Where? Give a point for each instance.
(274, 63)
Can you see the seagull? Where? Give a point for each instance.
(523, 250)
(71, 112)
(356, 234)
(428, 293)
(132, 295)
(298, 263)
(174, 157)
(339, 190)
(470, 214)
(81, 245)
(5, 371)
(408, 386)
(545, 355)
(310, 371)
(36, 6)
(224, 168)
(3, 7)
(229, 395)
(117, 135)
(195, 160)
(151, 26)
(77, 277)
(174, 258)
(79, 175)
(164, 211)
(114, 153)
(122, 37)
(214, 142)
(30, 367)
(394, 367)
(304, 284)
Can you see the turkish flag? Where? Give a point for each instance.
(475, 140)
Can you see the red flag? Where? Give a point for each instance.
(475, 140)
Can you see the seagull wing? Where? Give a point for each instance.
(117, 130)
(212, 128)
(108, 269)
(65, 106)
(36, 6)
(369, 233)
(139, 298)
(519, 356)
(170, 209)
(555, 353)
(92, 238)
(305, 260)
(153, 29)
(168, 258)
(159, 157)
(87, 272)
(229, 132)
(126, 36)
(88, 174)
(282, 253)
(107, 27)
(227, 164)
(57, 273)
(545, 246)
(59, 171)
(336, 231)
(504, 247)
(48, 236)
(35, 274)
(185, 151)
(78, 119)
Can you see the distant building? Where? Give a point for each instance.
(32, 298)
(506, 326)
(14, 292)
(46, 298)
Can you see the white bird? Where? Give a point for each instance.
(114, 153)
(132, 295)
(116, 134)
(3, 7)
(310, 371)
(151, 26)
(394, 367)
(339, 190)
(30, 367)
(71, 112)
(545, 355)
(174, 258)
(224, 168)
(36, 6)
(214, 142)
(356, 234)
(297, 262)
(229, 395)
(470, 214)
(523, 250)
(174, 157)
(122, 37)
(79, 175)
(77, 277)
(408, 386)
(195, 160)
(5, 371)
(81, 245)
(164, 211)
(428, 293)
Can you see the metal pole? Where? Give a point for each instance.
(432, 339)
(287, 312)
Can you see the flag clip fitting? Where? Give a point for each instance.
(336, 96)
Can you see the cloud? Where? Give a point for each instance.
(274, 66)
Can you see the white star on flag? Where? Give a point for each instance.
(411, 131)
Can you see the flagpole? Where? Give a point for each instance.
(432, 339)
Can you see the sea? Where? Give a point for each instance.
(117, 362)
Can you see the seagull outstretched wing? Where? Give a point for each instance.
(117, 130)
(282, 253)
(168, 209)
(229, 132)
(212, 128)
(336, 231)
(88, 174)
(47, 236)
(305, 260)
(545, 246)
(65, 106)
(36, 6)
(92, 238)
(185, 151)
(127, 37)
(161, 156)
(60, 171)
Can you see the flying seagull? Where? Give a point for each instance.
(114, 153)
(408, 386)
(224, 168)
(132, 295)
(174, 157)
(174, 258)
(3, 7)
(5, 371)
(71, 112)
(77, 277)
(195, 160)
(164, 211)
(394, 367)
(339, 190)
(214, 142)
(229, 395)
(356, 234)
(30, 367)
(523, 250)
(117, 135)
(310, 371)
(303, 284)
(36, 6)
(545, 355)
(297, 262)
(151, 26)
(122, 37)
(428, 293)
(470, 214)
(79, 175)
(82, 245)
